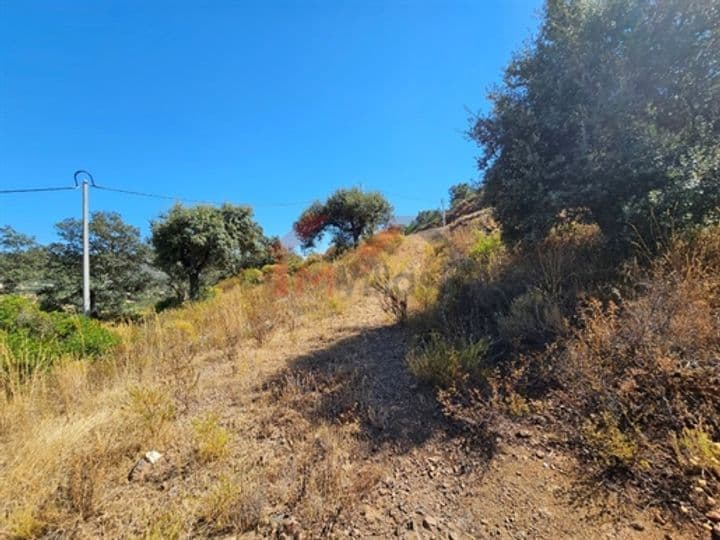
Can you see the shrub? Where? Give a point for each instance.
(211, 439)
(443, 363)
(259, 306)
(533, 319)
(253, 276)
(607, 442)
(386, 241)
(230, 506)
(646, 372)
(394, 299)
(32, 339)
(487, 247)
(568, 260)
(151, 409)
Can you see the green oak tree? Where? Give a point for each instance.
(425, 219)
(348, 214)
(194, 244)
(22, 261)
(613, 110)
(120, 273)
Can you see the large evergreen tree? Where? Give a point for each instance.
(22, 261)
(193, 243)
(119, 265)
(613, 110)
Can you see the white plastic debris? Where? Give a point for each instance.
(152, 456)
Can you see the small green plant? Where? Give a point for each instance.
(231, 506)
(211, 439)
(442, 363)
(696, 449)
(608, 443)
(517, 405)
(22, 523)
(167, 526)
(32, 339)
(152, 408)
(487, 247)
(253, 276)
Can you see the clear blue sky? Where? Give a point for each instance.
(263, 102)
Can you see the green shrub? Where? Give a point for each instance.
(253, 276)
(607, 442)
(487, 247)
(442, 363)
(294, 262)
(211, 439)
(31, 338)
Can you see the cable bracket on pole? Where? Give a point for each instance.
(81, 172)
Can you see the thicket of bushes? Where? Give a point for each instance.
(624, 357)
(32, 339)
(600, 300)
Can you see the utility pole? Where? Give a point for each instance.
(442, 205)
(86, 237)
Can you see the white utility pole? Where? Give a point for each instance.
(86, 248)
(87, 181)
(442, 205)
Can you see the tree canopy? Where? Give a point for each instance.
(425, 219)
(613, 110)
(193, 242)
(22, 260)
(460, 192)
(119, 265)
(348, 214)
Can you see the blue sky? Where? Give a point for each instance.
(266, 103)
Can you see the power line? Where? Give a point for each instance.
(184, 199)
(152, 195)
(35, 190)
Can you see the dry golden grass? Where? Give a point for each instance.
(69, 436)
(644, 373)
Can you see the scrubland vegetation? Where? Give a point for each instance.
(577, 288)
(624, 359)
(70, 433)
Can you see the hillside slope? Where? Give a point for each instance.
(320, 431)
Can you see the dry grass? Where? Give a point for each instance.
(69, 436)
(637, 372)
(644, 373)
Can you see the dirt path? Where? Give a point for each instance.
(433, 482)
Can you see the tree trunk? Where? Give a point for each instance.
(194, 282)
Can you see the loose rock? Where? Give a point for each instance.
(143, 465)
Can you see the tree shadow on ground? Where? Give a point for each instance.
(363, 378)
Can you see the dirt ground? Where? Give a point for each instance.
(431, 480)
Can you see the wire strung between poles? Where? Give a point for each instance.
(152, 195)
(183, 199)
(35, 190)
